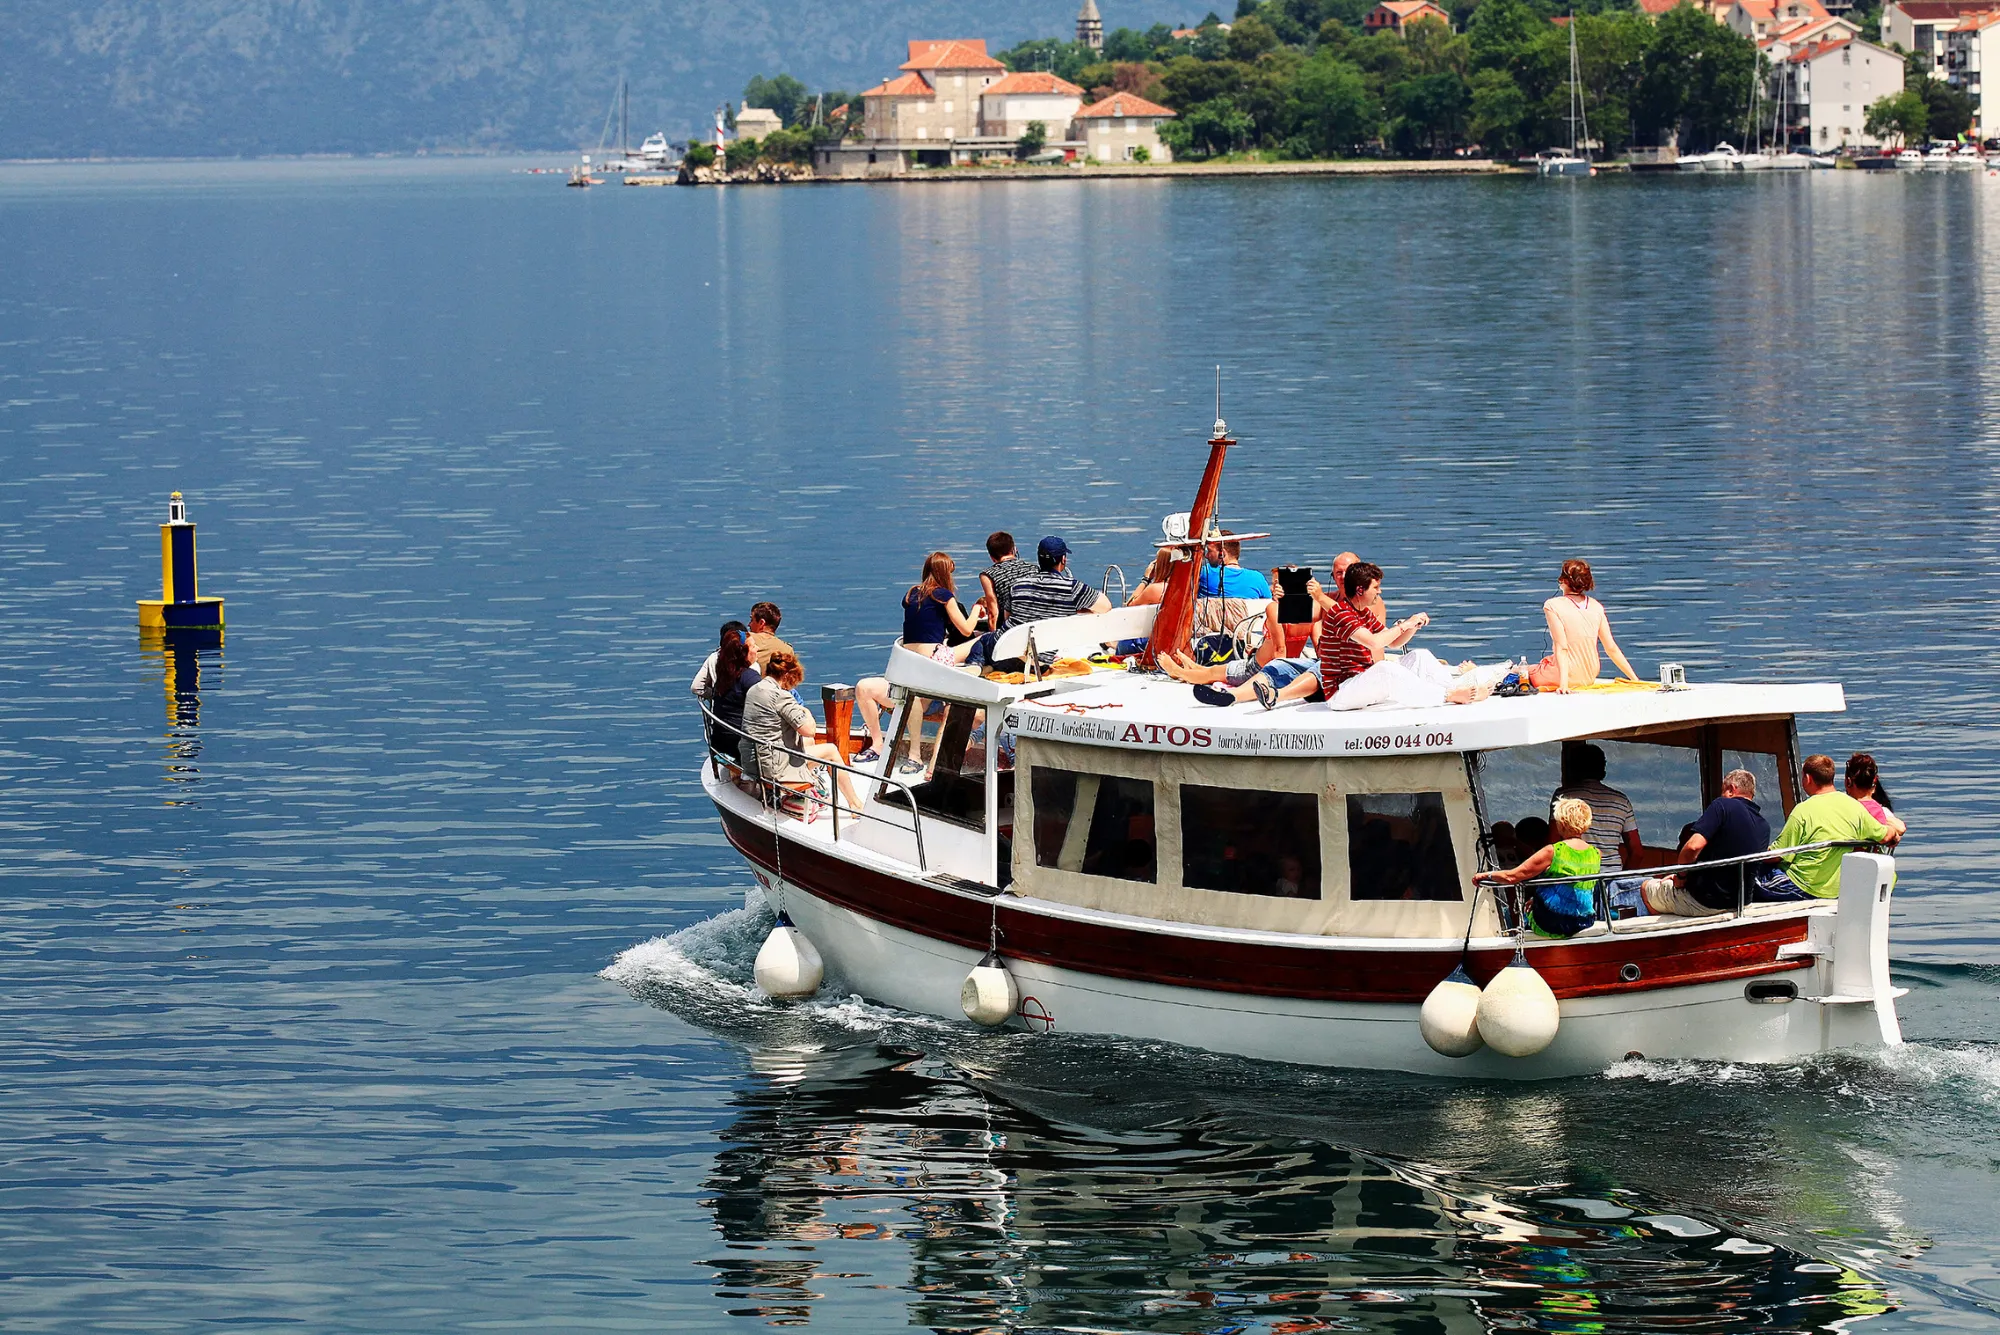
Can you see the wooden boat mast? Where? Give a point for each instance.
(1173, 630)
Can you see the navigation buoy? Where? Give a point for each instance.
(1518, 1014)
(1450, 1017)
(787, 964)
(179, 606)
(988, 995)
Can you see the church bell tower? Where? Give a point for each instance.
(1090, 26)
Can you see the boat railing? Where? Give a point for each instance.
(1124, 590)
(772, 794)
(1600, 881)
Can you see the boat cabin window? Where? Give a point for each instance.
(939, 751)
(1098, 824)
(1668, 775)
(1250, 843)
(1399, 847)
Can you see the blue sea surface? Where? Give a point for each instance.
(385, 969)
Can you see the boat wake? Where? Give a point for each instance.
(705, 975)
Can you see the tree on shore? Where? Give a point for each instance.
(1032, 140)
(1898, 119)
(1300, 78)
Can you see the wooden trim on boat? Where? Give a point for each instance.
(1737, 948)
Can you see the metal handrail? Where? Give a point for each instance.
(1124, 590)
(916, 814)
(1600, 901)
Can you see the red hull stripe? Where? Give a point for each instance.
(1583, 969)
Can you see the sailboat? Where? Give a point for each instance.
(1570, 164)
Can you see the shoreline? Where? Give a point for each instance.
(1124, 172)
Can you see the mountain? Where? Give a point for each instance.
(162, 78)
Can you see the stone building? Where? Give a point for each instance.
(935, 99)
(1008, 106)
(1114, 129)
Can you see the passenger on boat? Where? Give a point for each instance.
(1577, 624)
(1731, 826)
(1049, 591)
(1864, 785)
(1226, 597)
(1614, 826)
(931, 615)
(763, 614)
(780, 726)
(1279, 679)
(1826, 813)
(764, 641)
(1223, 575)
(996, 582)
(730, 678)
(1052, 591)
(1152, 586)
(1530, 834)
(1559, 910)
(1354, 668)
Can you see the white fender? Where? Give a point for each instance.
(788, 965)
(1450, 1017)
(1518, 1014)
(988, 995)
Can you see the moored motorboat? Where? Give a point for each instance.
(1098, 853)
(1724, 157)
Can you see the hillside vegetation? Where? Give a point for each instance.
(228, 77)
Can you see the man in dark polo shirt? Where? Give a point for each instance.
(1731, 827)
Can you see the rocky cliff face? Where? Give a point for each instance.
(228, 77)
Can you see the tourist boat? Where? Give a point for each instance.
(1294, 885)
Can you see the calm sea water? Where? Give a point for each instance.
(384, 970)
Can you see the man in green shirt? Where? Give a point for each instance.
(1826, 813)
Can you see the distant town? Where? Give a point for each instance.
(1658, 84)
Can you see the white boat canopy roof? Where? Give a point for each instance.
(1154, 714)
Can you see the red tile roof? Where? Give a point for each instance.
(1659, 6)
(953, 53)
(903, 85)
(1031, 82)
(1816, 50)
(1123, 104)
(1930, 11)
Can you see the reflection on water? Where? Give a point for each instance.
(1003, 1218)
(180, 656)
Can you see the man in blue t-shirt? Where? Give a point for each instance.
(1223, 577)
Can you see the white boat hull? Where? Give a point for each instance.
(1712, 1020)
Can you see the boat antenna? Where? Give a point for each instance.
(1221, 427)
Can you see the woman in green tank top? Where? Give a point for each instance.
(1560, 910)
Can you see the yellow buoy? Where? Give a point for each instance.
(180, 605)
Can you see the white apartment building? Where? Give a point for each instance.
(1826, 88)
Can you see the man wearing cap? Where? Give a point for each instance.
(1051, 591)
